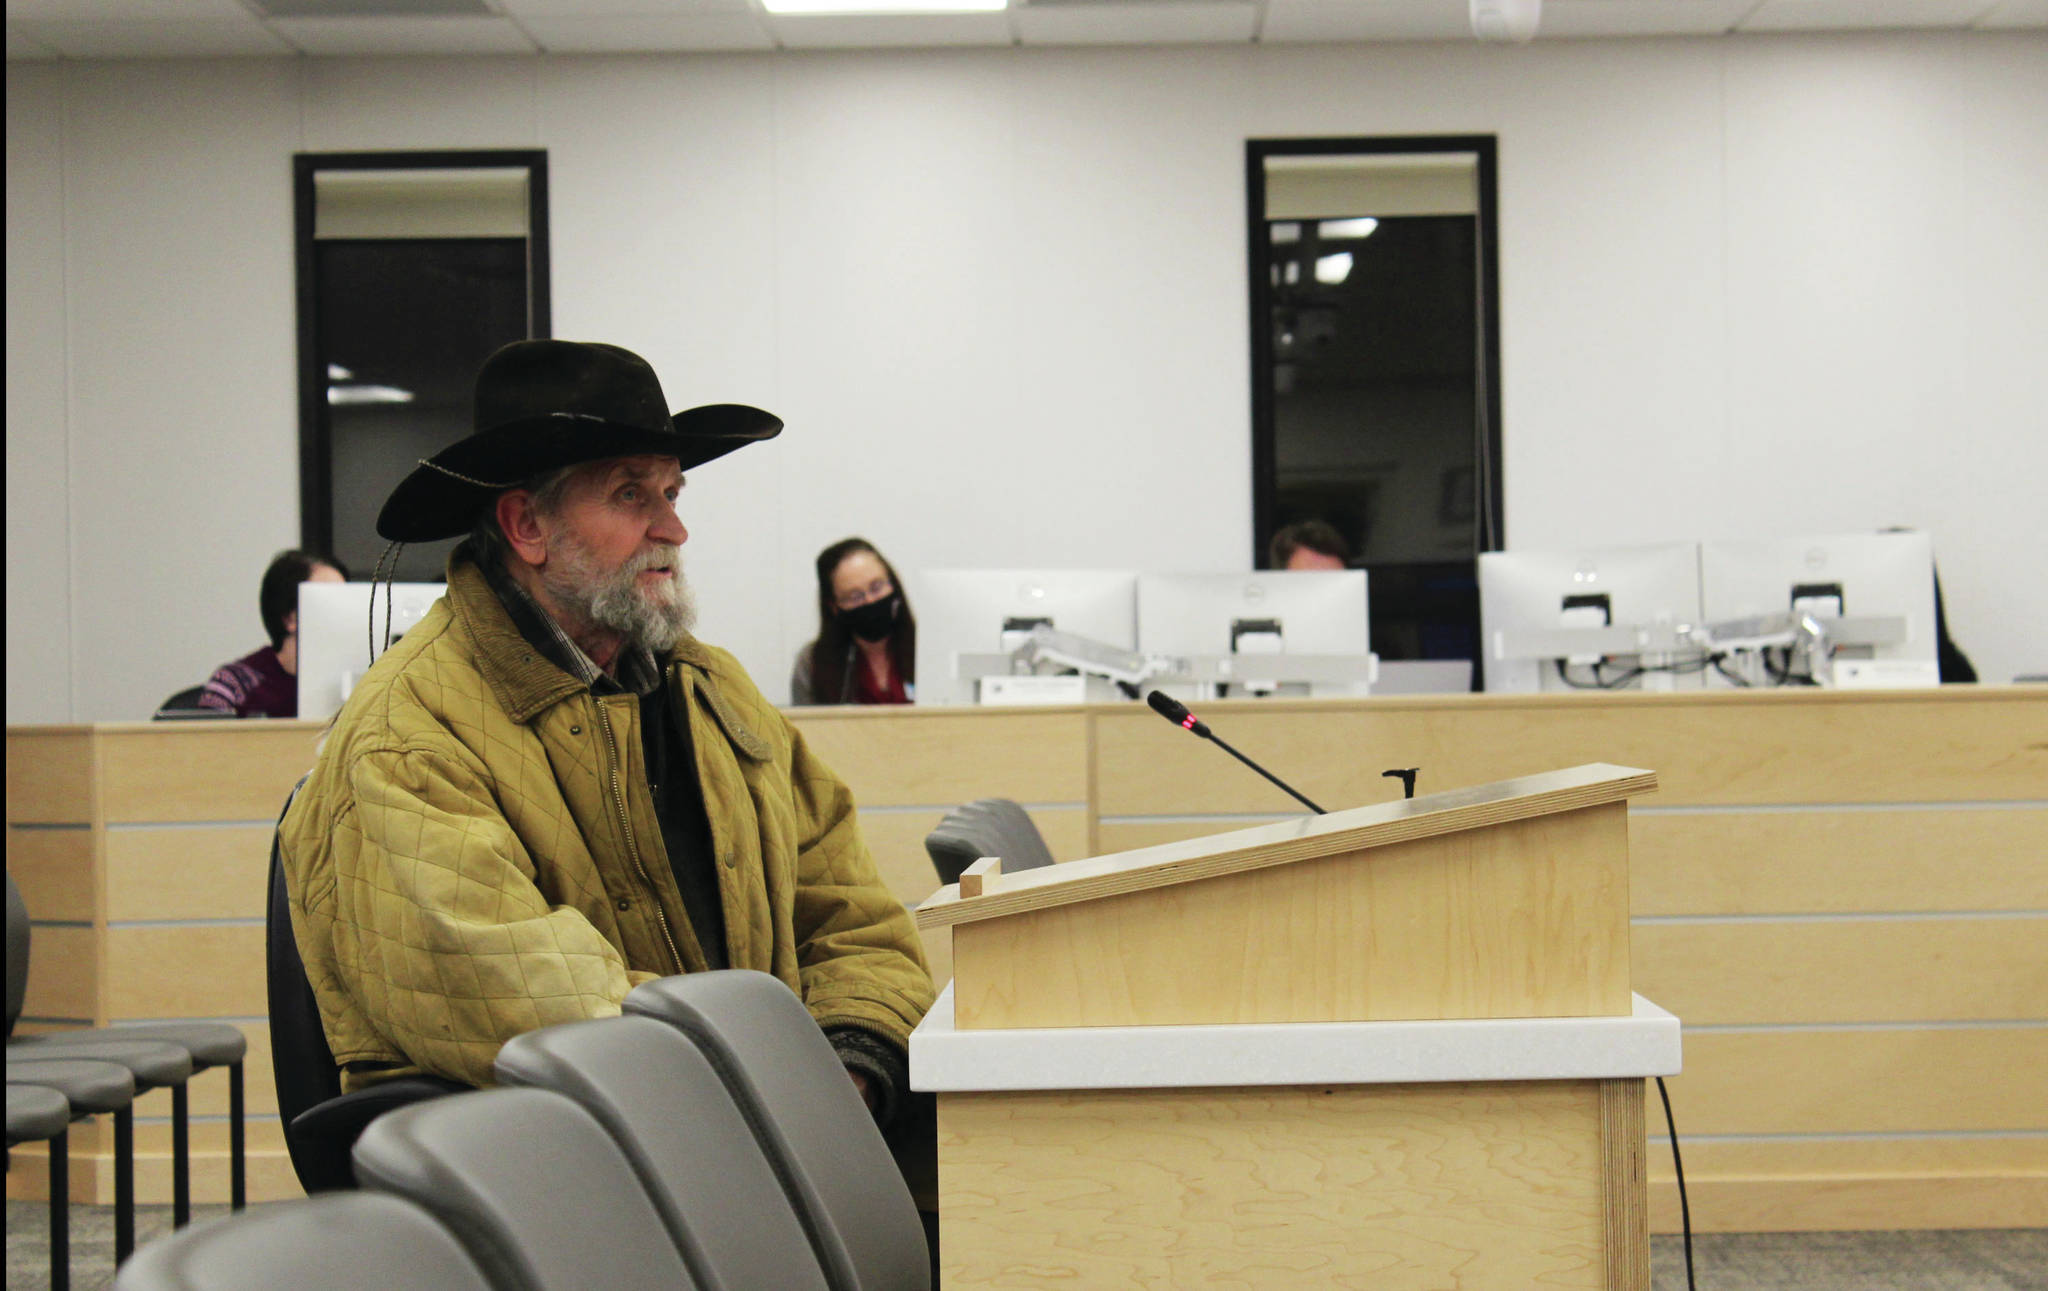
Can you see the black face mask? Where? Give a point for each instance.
(874, 621)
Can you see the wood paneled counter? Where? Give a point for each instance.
(1843, 895)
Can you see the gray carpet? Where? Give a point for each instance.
(1988, 1260)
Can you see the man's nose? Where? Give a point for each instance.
(668, 526)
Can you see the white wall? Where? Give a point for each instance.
(1773, 285)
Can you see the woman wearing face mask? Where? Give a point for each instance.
(866, 651)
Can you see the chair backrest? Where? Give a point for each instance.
(299, 1057)
(184, 705)
(986, 827)
(716, 1190)
(17, 952)
(786, 1078)
(531, 1185)
(337, 1242)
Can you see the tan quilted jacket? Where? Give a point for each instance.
(476, 853)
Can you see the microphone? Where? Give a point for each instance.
(1176, 712)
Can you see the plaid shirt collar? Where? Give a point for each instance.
(639, 672)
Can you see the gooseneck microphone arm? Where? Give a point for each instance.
(1176, 712)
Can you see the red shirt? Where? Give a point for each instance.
(869, 693)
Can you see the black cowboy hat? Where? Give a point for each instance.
(543, 405)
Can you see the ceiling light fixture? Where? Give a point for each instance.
(338, 396)
(1361, 227)
(1331, 270)
(877, 7)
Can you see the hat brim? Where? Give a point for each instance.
(443, 495)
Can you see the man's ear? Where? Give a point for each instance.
(291, 623)
(520, 522)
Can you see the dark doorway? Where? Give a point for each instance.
(411, 274)
(1374, 360)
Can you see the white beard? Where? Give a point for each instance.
(652, 617)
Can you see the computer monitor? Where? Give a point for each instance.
(336, 632)
(1873, 591)
(1321, 612)
(989, 611)
(1525, 595)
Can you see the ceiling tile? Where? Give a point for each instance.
(582, 9)
(1135, 24)
(21, 45)
(649, 35)
(124, 10)
(195, 38)
(865, 31)
(2016, 13)
(1334, 20)
(1577, 18)
(1838, 15)
(404, 35)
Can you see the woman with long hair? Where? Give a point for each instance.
(866, 648)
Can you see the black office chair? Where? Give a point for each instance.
(184, 706)
(321, 1124)
(986, 827)
(339, 1242)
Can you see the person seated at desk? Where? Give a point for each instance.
(866, 648)
(549, 791)
(266, 682)
(1309, 544)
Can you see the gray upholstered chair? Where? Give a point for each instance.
(986, 827)
(89, 1088)
(338, 1242)
(531, 1185)
(661, 1101)
(39, 1114)
(206, 1045)
(789, 1083)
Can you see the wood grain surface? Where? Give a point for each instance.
(1846, 970)
(231, 771)
(1957, 744)
(944, 757)
(1394, 1187)
(54, 870)
(1881, 1080)
(50, 775)
(1786, 862)
(1338, 833)
(188, 872)
(1528, 918)
(1624, 1186)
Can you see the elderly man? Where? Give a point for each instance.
(549, 791)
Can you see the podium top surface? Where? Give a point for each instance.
(1356, 829)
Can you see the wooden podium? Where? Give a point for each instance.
(1393, 1046)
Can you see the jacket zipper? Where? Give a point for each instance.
(626, 823)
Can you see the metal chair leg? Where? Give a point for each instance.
(124, 1184)
(60, 1212)
(238, 1190)
(181, 1156)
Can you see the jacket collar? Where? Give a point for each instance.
(526, 683)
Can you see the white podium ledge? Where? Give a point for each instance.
(944, 1059)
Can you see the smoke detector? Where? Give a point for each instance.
(1506, 21)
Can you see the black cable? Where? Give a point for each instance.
(1678, 1166)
